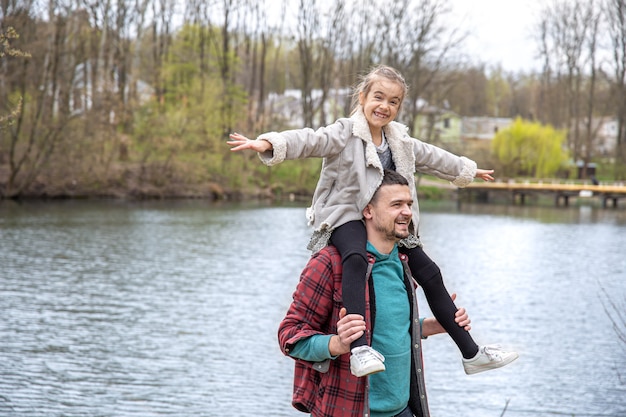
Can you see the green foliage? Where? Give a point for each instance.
(5, 44)
(530, 149)
(188, 124)
(429, 192)
(181, 128)
(184, 62)
(6, 50)
(299, 176)
(498, 92)
(247, 173)
(15, 110)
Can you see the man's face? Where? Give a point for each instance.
(390, 214)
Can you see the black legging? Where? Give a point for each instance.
(350, 240)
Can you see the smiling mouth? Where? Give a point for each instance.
(380, 115)
(403, 222)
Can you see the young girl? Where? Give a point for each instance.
(356, 150)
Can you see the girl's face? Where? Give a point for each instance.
(382, 103)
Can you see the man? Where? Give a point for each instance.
(317, 332)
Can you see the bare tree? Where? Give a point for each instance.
(6, 50)
(159, 44)
(569, 32)
(197, 14)
(226, 62)
(318, 34)
(44, 112)
(307, 26)
(615, 11)
(329, 51)
(421, 47)
(550, 103)
(255, 40)
(361, 42)
(591, 41)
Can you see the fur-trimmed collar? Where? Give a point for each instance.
(398, 139)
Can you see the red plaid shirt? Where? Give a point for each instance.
(327, 389)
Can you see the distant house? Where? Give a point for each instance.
(605, 140)
(83, 92)
(603, 136)
(483, 128)
(287, 107)
(437, 125)
(443, 126)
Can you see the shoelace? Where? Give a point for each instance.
(365, 356)
(493, 352)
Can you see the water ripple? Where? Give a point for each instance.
(171, 308)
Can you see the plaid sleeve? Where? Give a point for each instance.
(311, 311)
(315, 311)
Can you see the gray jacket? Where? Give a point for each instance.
(352, 171)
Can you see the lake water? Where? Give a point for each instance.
(171, 308)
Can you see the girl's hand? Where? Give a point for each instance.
(485, 174)
(240, 142)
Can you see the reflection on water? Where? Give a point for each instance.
(531, 278)
(171, 308)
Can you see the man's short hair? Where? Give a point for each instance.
(390, 178)
(393, 178)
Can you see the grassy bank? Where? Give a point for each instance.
(291, 181)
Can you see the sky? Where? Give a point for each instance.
(500, 31)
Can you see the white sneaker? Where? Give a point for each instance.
(365, 361)
(488, 357)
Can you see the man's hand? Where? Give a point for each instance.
(240, 142)
(349, 328)
(431, 326)
(461, 317)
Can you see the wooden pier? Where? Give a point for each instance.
(562, 193)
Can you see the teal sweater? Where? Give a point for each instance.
(389, 390)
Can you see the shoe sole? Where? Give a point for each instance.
(495, 365)
(374, 371)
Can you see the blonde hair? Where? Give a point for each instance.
(366, 81)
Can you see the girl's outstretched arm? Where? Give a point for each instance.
(240, 142)
(485, 174)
